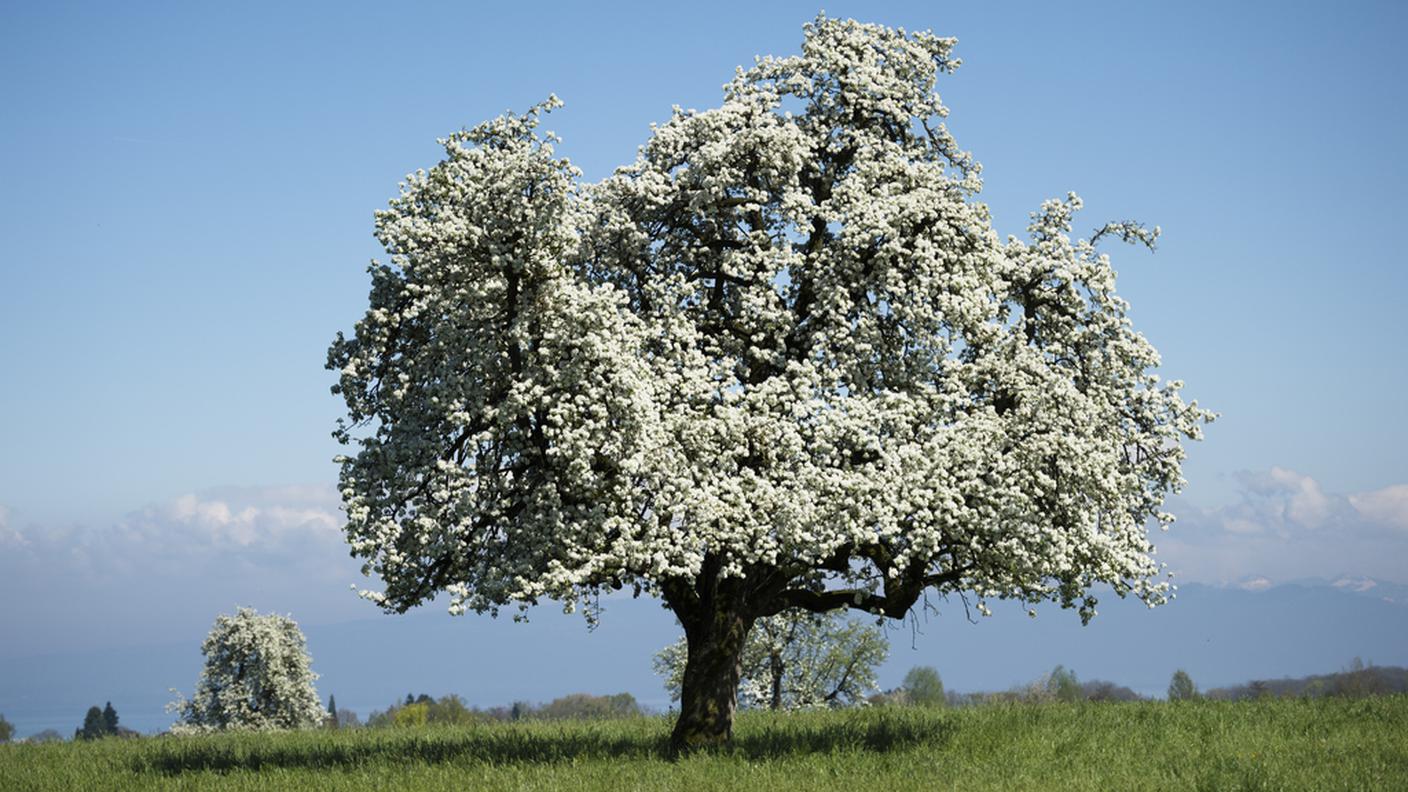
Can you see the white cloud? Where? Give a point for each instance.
(1279, 499)
(1241, 525)
(1388, 506)
(168, 568)
(226, 521)
(1286, 526)
(1356, 584)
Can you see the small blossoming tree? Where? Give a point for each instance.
(796, 660)
(780, 361)
(257, 676)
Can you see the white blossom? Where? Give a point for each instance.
(257, 676)
(781, 360)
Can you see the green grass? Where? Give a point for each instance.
(1324, 744)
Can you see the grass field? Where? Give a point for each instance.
(1324, 744)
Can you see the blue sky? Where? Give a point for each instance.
(187, 204)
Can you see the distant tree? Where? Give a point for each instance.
(347, 719)
(796, 660)
(382, 718)
(1315, 687)
(45, 736)
(7, 729)
(1062, 685)
(1102, 690)
(421, 710)
(923, 687)
(110, 720)
(1357, 680)
(415, 714)
(93, 727)
(584, 706)
(257, 676)
(331, 718)
(1181, 687)
(452, 711)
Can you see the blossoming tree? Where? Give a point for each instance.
(257, 676)
(780, 361)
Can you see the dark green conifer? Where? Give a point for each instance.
(93, 726)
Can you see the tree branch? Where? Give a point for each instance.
(898, 597)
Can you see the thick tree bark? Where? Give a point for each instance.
(709, 695)
(717, 614)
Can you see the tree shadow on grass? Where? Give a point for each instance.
(873, 732)
(486, 745)
(535, 744)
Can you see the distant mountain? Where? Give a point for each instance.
(1392, 593)
(1222, 636)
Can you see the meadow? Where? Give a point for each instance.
(1271, 744)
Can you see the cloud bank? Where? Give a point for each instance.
(163, 572)
(1285, 527)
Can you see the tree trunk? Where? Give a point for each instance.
(709, 694)
(775, 666)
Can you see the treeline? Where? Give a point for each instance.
(100, 723)
(1359, 680)
(451, 710)
(97, 724)
(922, 687)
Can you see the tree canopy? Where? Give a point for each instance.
(93, 727)
(782, 360)
(257, 676)
(923, 686)
(1181, 687)
(1062, 685)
